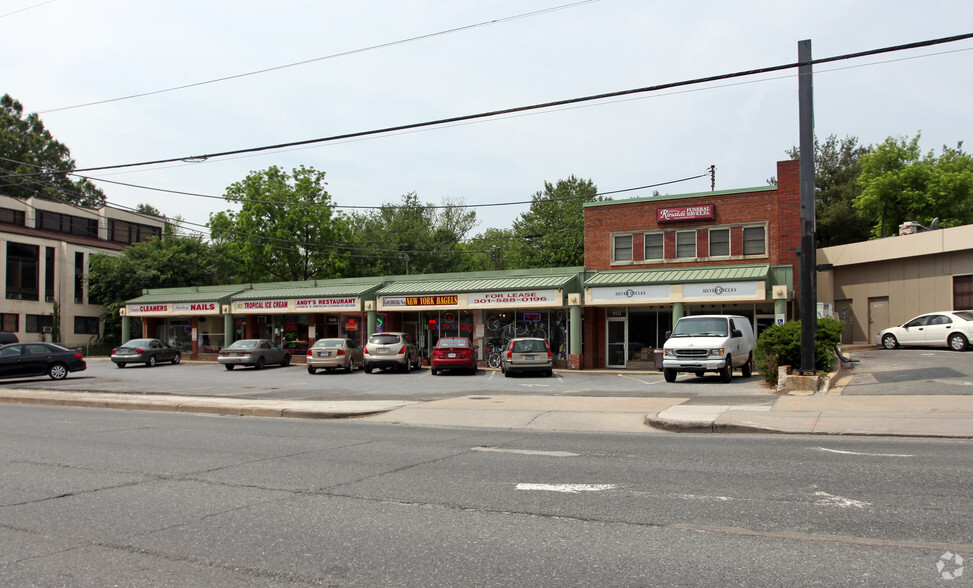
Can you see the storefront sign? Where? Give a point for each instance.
(139, 309)
(727, 290)
(325, 303)
(653, 293)
(195, 308)
(685, 213)
(431, 300)
(260, 305)
(514, 298)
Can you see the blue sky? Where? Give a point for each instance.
(66, 52)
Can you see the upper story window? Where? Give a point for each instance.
(719, 242)
(622, 248)
(12, 217)
(123, 232)
(685, 244)
(66, 223)
(755, 240)
(23, 263)
(654, 246)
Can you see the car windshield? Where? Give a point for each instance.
(138, 343)
(452, 343)
(383, 339)
(245, 344)
(700, 327)
(329, 343)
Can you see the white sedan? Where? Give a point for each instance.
(935, 329)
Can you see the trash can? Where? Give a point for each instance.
(658, 359)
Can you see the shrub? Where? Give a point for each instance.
(781, 345)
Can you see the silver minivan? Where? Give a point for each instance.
(709, 343)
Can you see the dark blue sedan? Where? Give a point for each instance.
(19, 360)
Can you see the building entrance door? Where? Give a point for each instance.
(617, 341)
(878, 316)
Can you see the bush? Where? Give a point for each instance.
(781, 345)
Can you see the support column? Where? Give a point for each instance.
(227, 329)
(575, 357)
(677, 312)
(780, 308)
(126, 329)
(372, 324)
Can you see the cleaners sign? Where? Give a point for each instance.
(146, 309)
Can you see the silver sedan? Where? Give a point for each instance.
(255, 352)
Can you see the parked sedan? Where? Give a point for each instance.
(527, 354)
(147, 351)
(330, 354)
(953, 329)
(255, 352)
(37, 359)
(453, 353)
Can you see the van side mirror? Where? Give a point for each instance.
(736, 333)
(668, 334)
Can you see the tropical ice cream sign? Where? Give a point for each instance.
(260, 305)
(686, 213)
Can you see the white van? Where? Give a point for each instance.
(709, 343)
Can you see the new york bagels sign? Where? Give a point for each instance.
(686, 213)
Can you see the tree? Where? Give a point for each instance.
(286, 228)
(34, 163)
(158, 263)
(411, 237)
(836, 171)
(551, 233)
(901, 184)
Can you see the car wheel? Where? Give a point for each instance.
(507, 373)
(550, 373)
(177, 359)
(311, 370)
(889, 341)
(229, 366)
(407, 368)
(726, 373)
(433, 371)
(121, 365)
(748, 367)
(57, 371)
(351, 365)
(957, 342)
(368, 369)
(700, 374)
(260, 363)
(670, 374)
(151, 362)
(286, 361)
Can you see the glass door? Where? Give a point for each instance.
(617, 338)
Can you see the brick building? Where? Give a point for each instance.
(653, 260)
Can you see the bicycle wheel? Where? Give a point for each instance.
(539, 332)
(494, 360)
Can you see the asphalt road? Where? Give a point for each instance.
(97, 497)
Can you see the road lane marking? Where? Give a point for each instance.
(567, 488)
(839, 501)
(527, 452)
(826, 450)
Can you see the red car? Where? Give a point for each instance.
(453, 353)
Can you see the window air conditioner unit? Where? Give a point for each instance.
(46, 329)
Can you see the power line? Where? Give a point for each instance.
(556, 103)
(325, 57)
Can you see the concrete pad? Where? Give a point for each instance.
(890, 403)
(754, 421)
(449, 417)
(692, 414)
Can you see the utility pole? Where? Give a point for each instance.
(808, 259)
(712, 177)
(406, 263)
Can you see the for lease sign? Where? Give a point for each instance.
(514, 298)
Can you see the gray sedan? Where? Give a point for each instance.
(255, 352)
(147, 351)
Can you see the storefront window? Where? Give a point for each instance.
(501, 327)
(179, 333)
(210, 334)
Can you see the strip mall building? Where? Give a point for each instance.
(648, 261)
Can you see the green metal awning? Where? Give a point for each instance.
(477, 285)
(309, 291)
(219, 294)
(681, 275)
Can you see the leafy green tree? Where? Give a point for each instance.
(490, 250)
(901, 184)
(411, 237)
(836, 170)
(286, 228)
(27, 148)
(551, 233)
(158, 263)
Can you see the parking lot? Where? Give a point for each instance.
(878, 372)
